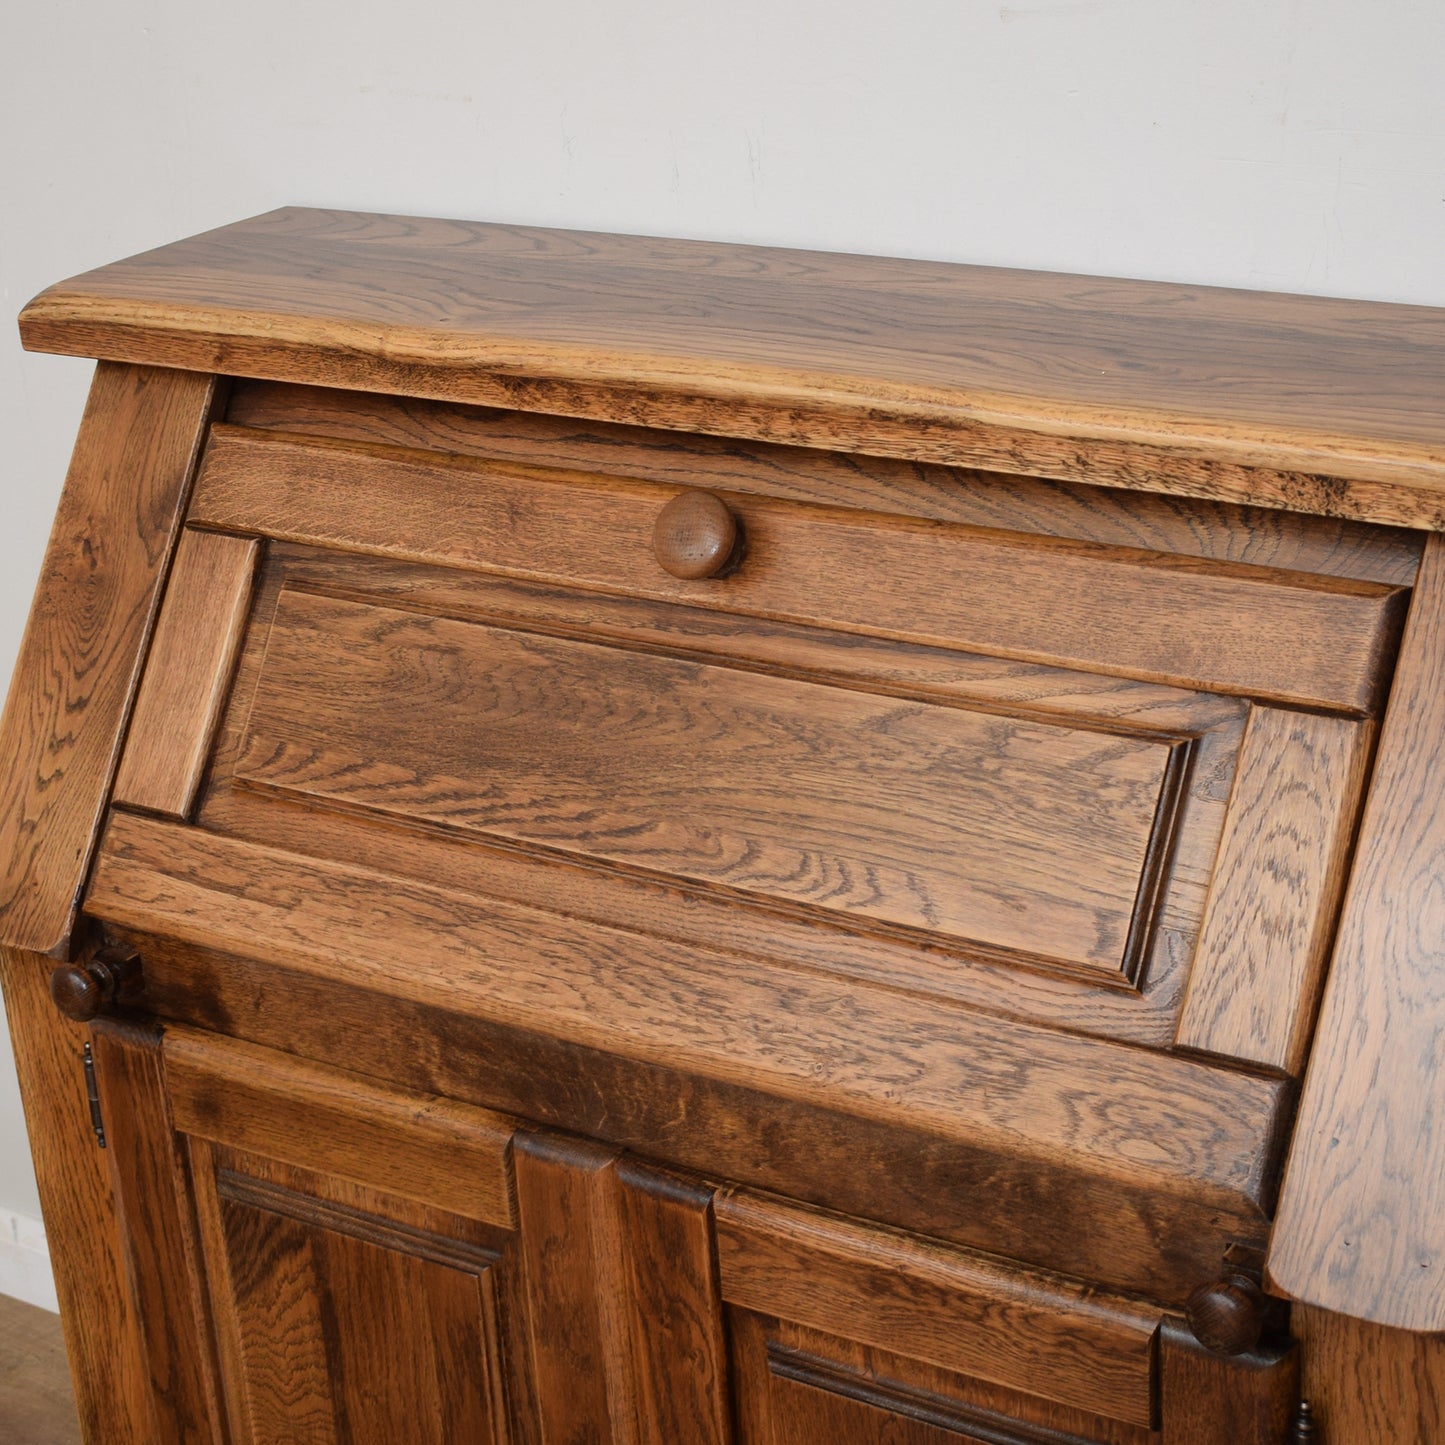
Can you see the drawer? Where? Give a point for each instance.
(910, 870)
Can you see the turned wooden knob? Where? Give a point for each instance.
(1227, 1316)
(84, 991)
(696, 535)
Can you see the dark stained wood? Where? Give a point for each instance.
(101, 984)
(102, 1335)
(37, 1403)
(889, 1169)
(1011, 503)
(1361, 1224)
(1209, 1400)
(80, 656)
(796, 1384)
(1317, 641)
(189, 667)
(935, 819)
(964, 1313)
(162, 1250)
(566, 1206)
(1193, 388)
(1366, 1384)
(1064, 1106)
(412, 1145)
(695, 535)
(676, 1343)
(1269, 921)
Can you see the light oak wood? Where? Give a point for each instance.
(934, 819)
(1010, 502)
(182, 693)
(80, 656)
(1361, 1223)
(969, 1315)
(37, 1402)
(1269, 922)
(1172, 387)
(411, 1145)
(1317, 641)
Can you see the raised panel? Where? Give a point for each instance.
(1018, 834)
(349, 1328)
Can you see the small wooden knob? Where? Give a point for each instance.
(696, 535)
(84, 991)
(1227, 1316)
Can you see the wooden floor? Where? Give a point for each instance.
(36, 1406)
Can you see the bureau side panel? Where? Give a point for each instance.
(80, 656)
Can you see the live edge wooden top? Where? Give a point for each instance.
(1304, 403)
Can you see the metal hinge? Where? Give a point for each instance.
(92, 1095)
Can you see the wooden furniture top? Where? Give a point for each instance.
(971, 365)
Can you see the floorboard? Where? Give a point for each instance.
(36, 1404)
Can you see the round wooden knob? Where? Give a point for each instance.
(1227, 1316)
(84, 991)
(696, 535)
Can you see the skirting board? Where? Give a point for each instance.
(25, 1261)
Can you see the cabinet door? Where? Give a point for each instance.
(315, 1258)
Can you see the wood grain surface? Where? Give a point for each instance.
(970, 1314)
(102, 1333)
(1039, 1097)
(187, 672)
(80, 656)
(1367, 1384)
(1220, 626)
(162, 1248)
(940, 362)
(1361, 1223)
(1209, 1400)
(1270, 919)
(1190, 526)
(1025, 836)
(431, 1149)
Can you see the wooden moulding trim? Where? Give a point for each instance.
(182, 693)
(434, 1150)
(1220, 626)
(1060, 1104)
(1024, 1329)
(80, 657)
(1361, 1225)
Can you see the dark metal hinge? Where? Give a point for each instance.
(92, 1095)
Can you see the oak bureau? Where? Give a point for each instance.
(616, 840)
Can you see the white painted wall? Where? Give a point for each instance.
(1291, 144)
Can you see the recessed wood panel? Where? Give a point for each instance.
(349, 1329)
(1220, 626)
(1021, 835)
